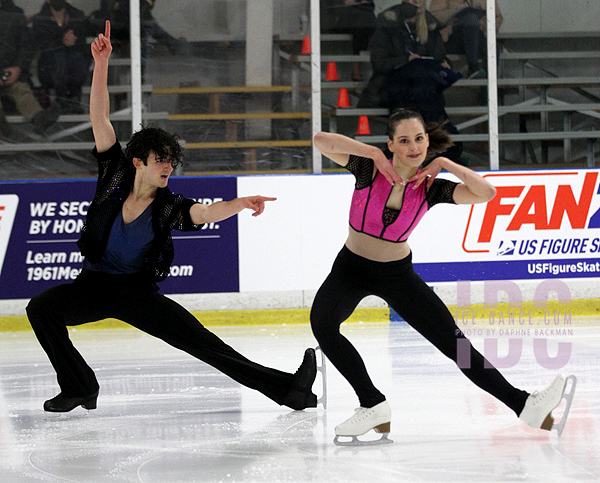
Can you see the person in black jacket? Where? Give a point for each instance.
(117, 12)
(60, 31)
(127, 245)
(15, 61)
(409, 64)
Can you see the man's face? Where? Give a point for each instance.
(155, 172)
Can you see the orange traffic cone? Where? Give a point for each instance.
(306, 45)
(332, 74)
(363, 125)
(343, 100)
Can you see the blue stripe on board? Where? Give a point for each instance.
(509, 270)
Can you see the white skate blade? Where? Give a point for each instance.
(323, 370)
(354, 441)
(568, 397)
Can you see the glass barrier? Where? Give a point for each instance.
(547, 76)
(234, 111)
(233, 79)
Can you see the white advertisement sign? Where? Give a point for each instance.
(541, 224)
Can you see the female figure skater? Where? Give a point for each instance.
(127, 246)
(389, 199)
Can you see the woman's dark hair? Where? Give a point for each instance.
(439, 139)
(164, 145)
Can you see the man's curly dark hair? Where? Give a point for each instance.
(163, 144)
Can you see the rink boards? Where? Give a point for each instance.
(543, 225)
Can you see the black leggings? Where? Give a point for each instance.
(94, 296)
(351, 279)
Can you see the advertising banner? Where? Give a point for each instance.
(40, 224)
(541, 225)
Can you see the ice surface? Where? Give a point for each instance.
(164, 417)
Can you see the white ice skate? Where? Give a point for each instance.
(323, 370)
(377, 418)
(537, 412)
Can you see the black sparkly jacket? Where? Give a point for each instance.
(169, 211)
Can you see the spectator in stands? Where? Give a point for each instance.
(60, 31)
(117, 11)
(409, 63)
(15, 61)
(354, 17)
(464, 30)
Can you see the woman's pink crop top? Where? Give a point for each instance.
(368, 213)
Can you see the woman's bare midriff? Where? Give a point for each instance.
(375, 249)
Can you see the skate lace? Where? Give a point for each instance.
(360, 413)
(539, 395)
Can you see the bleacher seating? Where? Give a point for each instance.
(541, 107)
(532, 99)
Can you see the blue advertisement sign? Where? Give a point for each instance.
(40, 222)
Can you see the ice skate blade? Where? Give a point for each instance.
(323, 370)
(568, 396)
(354, 441)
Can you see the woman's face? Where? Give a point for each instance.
(410, 143)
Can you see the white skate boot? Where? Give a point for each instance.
(377, 418)
(537, 412)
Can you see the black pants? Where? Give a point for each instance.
(468, 39)
(351, 279)
(94, 296)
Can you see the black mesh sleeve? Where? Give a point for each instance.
(112, 170)
(362, 169)
(441, 191)
(183, 220)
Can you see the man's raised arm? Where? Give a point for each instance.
(104, 133)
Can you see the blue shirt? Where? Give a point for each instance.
(127, 245)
